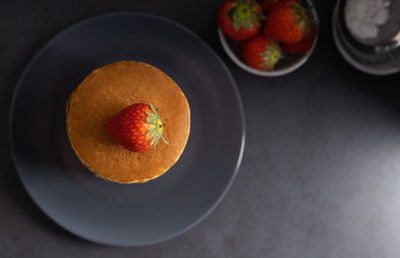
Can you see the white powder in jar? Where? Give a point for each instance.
(363, 17)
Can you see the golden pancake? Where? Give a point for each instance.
(106, 91)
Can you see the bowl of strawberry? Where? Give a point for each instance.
(268, 37)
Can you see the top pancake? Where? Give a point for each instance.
(106, 91)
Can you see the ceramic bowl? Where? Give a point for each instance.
(288, 64)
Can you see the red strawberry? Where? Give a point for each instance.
(301, 47)
(287, 22)
(137, 127)
(261, 53)
(269, 4)
(239, 19)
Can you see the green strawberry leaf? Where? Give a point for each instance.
(237, 24)
(231, 13)
(152, 116)
(150, 120)
(255, 22)
(162, 137)
(157, 129)
(259, 15)
(246, 24)
(153, 140)
(157, 138)
(152, 131)
(154, 110)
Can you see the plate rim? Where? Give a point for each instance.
(61, 32)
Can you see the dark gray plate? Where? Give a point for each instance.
(110, 213)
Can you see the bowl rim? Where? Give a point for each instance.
(271, 73)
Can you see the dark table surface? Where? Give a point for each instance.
(320, 175)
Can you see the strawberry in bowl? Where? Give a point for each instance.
(304, 45)
(261, 53)
(239, 19)
(288, 22)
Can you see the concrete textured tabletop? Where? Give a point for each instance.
(320, 175)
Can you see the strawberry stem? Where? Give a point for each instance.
(271, 55)
(243, 14)
(157, 129)
(303, 17)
